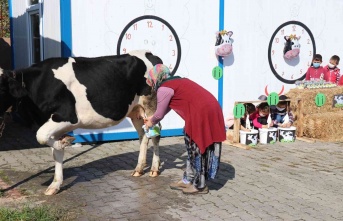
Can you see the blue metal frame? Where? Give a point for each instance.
(66, 30)
(220, 62)
(10, 9)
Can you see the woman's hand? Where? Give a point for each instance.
(147, 122)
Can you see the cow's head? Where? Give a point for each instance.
(292, 47)
(10, 90)
(224, 42)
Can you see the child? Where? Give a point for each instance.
(315, 72)
(246, 123)
(281, 115)
(331, 71)
(249, 109)
(260, 116)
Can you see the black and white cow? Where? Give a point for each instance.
(223, 46)
(63, 94)
(292, 47)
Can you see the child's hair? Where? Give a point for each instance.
(317, 57)
(250, 108)
(335, 58)
(263, 106)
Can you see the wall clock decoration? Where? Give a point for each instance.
(152, 33)
(290, 52)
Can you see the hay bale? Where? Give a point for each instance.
(229, 135)
(308, 98)
(324, 126)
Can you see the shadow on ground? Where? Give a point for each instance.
(17, 137)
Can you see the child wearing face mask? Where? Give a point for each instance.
(260, 116)
(281, 115)
(315, 72)
(331, 71)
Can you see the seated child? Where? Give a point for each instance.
(246, 123)
(260, 116)
(315, 72)
(249, 109)
(331, 71)
(281, 115)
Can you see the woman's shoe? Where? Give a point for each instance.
(193, 190)
(180, 185)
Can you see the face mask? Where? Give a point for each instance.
(331, 65)
(280, 108)
(316, 65)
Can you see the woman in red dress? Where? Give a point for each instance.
(204, 128)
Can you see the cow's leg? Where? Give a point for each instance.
(156, 157)
(138, 123)
(58, 178)
(51, 132)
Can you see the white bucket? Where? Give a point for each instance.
(287, 134)
(268, 135)
(248, 137)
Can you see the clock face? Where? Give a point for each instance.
(154, 34)
(288, 65)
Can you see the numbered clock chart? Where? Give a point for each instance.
(290, 52)
(154, 34)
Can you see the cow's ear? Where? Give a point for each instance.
(286, 38)
(298, 37)
(16, 89)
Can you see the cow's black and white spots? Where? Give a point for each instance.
(63, 94)
(292, 47)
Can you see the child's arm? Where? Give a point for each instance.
(308, 75)
(256, 123)
(245, 129)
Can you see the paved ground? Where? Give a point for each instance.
(294, 181)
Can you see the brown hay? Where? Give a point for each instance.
(324, 126)
(308, 98)
(229, 135)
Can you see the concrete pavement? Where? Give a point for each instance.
(283, 181)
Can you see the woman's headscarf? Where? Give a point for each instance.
(157, 74)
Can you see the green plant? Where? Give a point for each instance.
(4, 19)
(39, 213)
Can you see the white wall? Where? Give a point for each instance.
(253, 23)
(20, 33)
(51, 29)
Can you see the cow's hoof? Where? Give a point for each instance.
(51, 191)
(136, 174)
(154, 174)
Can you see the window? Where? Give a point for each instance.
(34, 37)
(34, 30)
